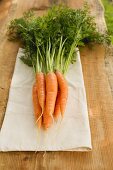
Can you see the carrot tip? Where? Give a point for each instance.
(39, 118)
(62, 114)
(55, 118)
(52, 118)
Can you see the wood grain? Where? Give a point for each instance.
(98, 90)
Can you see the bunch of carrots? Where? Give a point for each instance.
(50, 93)
(50, 90)
(49, 44)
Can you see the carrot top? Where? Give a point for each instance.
(49, 41)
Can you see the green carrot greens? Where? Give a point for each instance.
(49, 41)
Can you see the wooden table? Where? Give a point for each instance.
(98, 90)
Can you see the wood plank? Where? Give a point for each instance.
(109, 66)
(97, 10)
(100, 101)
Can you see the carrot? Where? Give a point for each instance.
(39, 122)
(36, 105)
(51, 94)
(57, 106)
(63, 91)
(40, 82)
(47, 120)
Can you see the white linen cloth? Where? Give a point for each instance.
(19, 131)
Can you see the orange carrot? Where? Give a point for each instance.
(63, 91)
(39, 122)
(47, 120)
(57, 106)
(51, 93)
(37, 108)
(40, 81)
